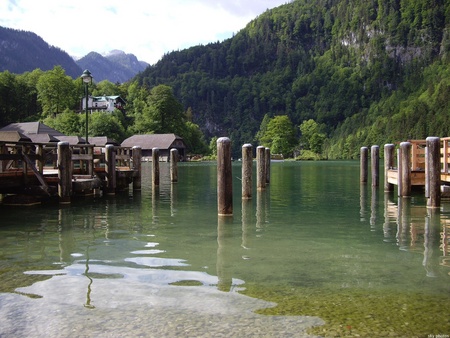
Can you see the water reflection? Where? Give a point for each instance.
(411, 226)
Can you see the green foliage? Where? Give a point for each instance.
(312, 137)
(56, 91)
(68, 123)
(278, 134)
(103, 124)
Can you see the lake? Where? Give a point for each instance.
(315, 254)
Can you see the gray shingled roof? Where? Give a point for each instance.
(101, 141)
(13, 136)
(150, 141)
(31, 128)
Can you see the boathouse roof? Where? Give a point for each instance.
(29, 128)
(150, 141)
(101, 141)
(13, 136)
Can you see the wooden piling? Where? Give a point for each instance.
(224, 178)
(247, 171)
(174, 165)
(388, 164)
(260, 168)
(155, 166)
(433, 172)
(64, 172)
(375, 165)
(404, 170)
(267, 160)
(110, 168)
(136, 154)
(364, 164)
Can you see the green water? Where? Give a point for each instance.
(316, 254)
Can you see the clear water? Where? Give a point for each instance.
(316, 254)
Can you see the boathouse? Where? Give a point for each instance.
(164, 142)
(32, 128)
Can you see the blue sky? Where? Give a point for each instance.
(146, 28)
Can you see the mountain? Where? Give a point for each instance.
(368, 71)
(22, 51)
(116, 66)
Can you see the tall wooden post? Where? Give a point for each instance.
(433, 172)
(375, 164)
(155, 166)
(267, 159)
(247, 171)
(364, 164)
(64, 172)
(110, 159)
(260, 168)
(174, 165)
(136, 154)
(404, 170)
(388, 164)
(224, 178)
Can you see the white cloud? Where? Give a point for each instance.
(147, 29)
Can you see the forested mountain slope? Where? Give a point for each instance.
(369, 71)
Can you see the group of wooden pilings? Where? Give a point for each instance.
(432, 169)
(173, 166)
(225, 176)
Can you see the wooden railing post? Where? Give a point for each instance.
(137, 165)
(433, 172)
(110, 159)
(388, 164)
(375, 164)
(404, 170)
(224, 178)
(364, 164)
(247, 171)
(267, 160)
(155, 166)
(260, 168)
(64, 164)
(174, 165)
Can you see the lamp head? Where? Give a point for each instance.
(86, 76)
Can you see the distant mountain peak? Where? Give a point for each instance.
(114, 52)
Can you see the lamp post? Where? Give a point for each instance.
(87, 78)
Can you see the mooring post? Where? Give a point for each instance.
(389, 150)
(364, 164)
(375, 165)
(155, 166)
(136, 154)
(64, 172)
(110, 167)
(267, 159)
(224, 178)
(260, 168)
(247, 171)
(433, 172)
(404, 170)
(174, 165)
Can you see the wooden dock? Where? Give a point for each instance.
(419, 163)
(61, 170)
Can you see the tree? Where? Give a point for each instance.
(56, 91)
(279, 135)
(68, 122)
(103, 124)
(312, 137)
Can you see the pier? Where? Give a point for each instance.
(419, 163)
(47, 170)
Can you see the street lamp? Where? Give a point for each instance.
(87, 78)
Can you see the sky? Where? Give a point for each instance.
(145, 28)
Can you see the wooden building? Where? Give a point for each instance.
(164, 142)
